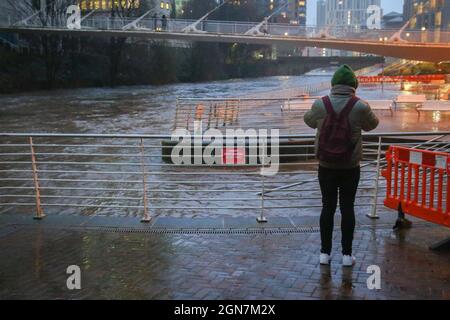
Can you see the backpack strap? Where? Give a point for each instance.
(328, 106)
(349, 106)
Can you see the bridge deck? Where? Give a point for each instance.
(434, 49)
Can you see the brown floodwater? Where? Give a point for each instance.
(151, 110)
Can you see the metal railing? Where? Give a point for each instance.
(241, 27)
(114, 174)
(268, 112)
(281, 113)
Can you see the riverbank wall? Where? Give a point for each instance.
(82, 63)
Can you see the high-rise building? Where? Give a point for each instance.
(301, 12)
(348, 13)
(293, 12)
(428, 15)
(321, 13)
(408, 9)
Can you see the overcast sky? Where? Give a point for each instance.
(387, 5)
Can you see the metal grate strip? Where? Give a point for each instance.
(214, 231)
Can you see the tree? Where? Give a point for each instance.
(121, 10)
(46, 14)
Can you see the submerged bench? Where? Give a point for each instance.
(300, 105)
(434, 105)
(418, 99)
(381, 105)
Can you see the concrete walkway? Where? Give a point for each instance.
(173, 259)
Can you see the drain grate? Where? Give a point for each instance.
(213, 231)
(219, 231)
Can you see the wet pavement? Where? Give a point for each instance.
(121, 259)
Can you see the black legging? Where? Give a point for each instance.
(345, 183)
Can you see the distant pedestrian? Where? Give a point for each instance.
(164, 22)
(339, 119)
(265, 27)
(155, 22)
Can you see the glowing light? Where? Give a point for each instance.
(436, 117)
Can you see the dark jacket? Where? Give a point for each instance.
(361, 118)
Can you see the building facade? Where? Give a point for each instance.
(427, 15)
(408, 9)
(294, 11)
(348, 13)
(161, 7)
(321, 13)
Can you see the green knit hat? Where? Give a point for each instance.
(345, 75)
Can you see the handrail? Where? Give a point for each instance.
(61, 171)
(166, 136)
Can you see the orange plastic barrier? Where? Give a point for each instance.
(395, 79)
(419, 181)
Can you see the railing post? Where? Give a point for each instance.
(238, 111)
(39, 212)
(373, 214)
(146, 218)
(175, 124)
(262, 218)
(188, 118)
(209, 116)
(225, 114)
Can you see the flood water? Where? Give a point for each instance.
(143, 110)
(151, 110)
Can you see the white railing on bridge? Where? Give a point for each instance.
(241, 27)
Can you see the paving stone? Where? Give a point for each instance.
(136, 265)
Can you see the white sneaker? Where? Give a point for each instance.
(348, 261)
(325, 259)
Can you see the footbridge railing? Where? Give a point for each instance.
(101, 22)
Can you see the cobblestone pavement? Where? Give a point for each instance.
(161, 265)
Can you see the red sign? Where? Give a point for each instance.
(233, 156)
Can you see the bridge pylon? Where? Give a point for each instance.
(398, 35)
(193, 26)
(256, 30)
(133, 24)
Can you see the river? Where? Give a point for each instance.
(137, 109)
